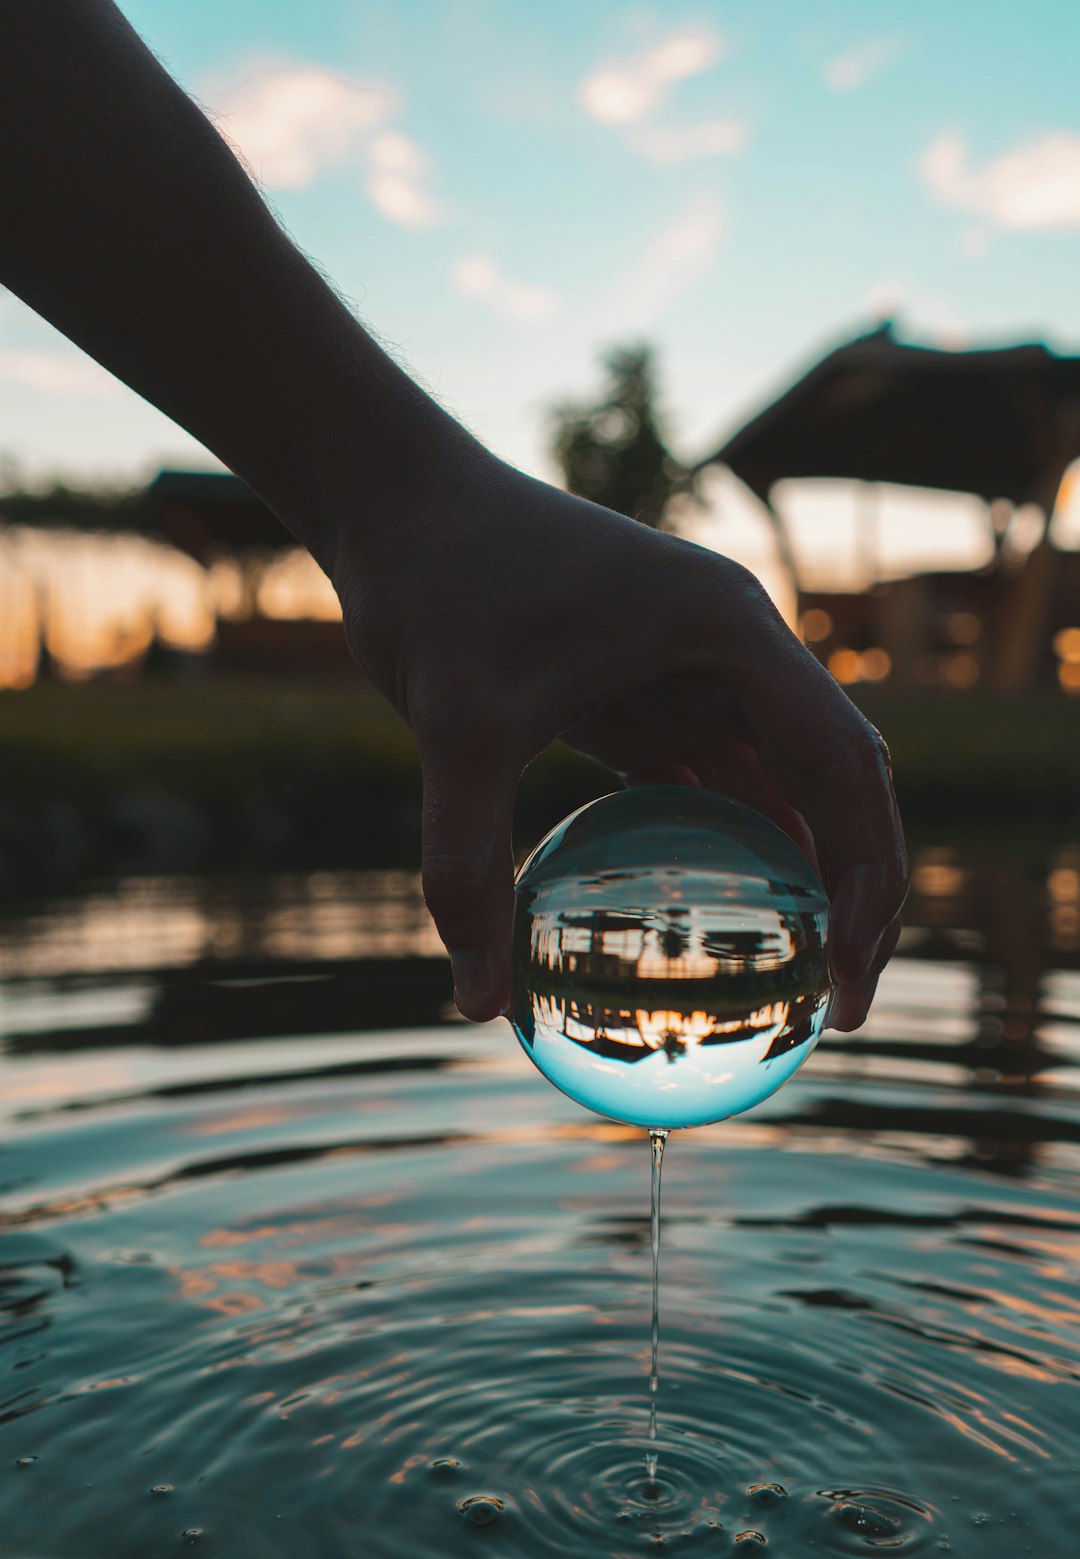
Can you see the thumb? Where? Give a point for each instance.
(468, 871)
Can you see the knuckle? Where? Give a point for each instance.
(743, 587)
(743, 580)
(452, 883)
(873, 751)
(882, 755)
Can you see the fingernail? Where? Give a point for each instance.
(469, 983)
(849, 1005)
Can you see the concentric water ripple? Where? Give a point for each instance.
(392, 1349)
(333, 1294)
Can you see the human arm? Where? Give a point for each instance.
(128, 223)
(495, 612)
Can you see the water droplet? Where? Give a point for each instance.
(865, 1519)
(669, 957)
(980, 1518)
(481, 1509)
(25, 1461)
(191, 1534)
(162, 1488)
(766, 1494)
(752, 1539)
(444, 1466)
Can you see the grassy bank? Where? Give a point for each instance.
(982, 757)
(177, 775)
(167, 775)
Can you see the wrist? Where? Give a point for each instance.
(367, 458)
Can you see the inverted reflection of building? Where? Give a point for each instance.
(604, 984)
(804, 1024)
(629, 1037)
(717, 954)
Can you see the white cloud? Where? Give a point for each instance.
(475, 275)
(54, 371)
(393, 152)
(479, 276)
(397, 181)
(1032, 187)
(625, 90)
(291, 123)
(674, 259)
(844, 72)
(689, 143)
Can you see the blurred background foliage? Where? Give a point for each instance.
(614, 452)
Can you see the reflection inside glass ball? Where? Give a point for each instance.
(670, 965)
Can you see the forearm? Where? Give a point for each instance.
(129, 224)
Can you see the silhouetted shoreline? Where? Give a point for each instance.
(168, 775)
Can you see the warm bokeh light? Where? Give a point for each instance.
(1069, 676)
(1063, 891)
(936, 874)
(962, 628)
(1063, 885)
(815, 625)
(1067, 644)
(875, 664)
(845, 665)
(960, 671)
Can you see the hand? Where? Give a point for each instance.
(504, 613)
(495, 612)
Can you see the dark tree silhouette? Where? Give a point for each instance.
(614, 453)
(674, 940)
(59, 507)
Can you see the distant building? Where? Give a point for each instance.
(211, 516)
(996, 630)
(1001, 423)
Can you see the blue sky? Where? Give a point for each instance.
(505, 188)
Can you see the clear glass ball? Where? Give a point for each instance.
(670, 962)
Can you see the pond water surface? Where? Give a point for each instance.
(293, 1263)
